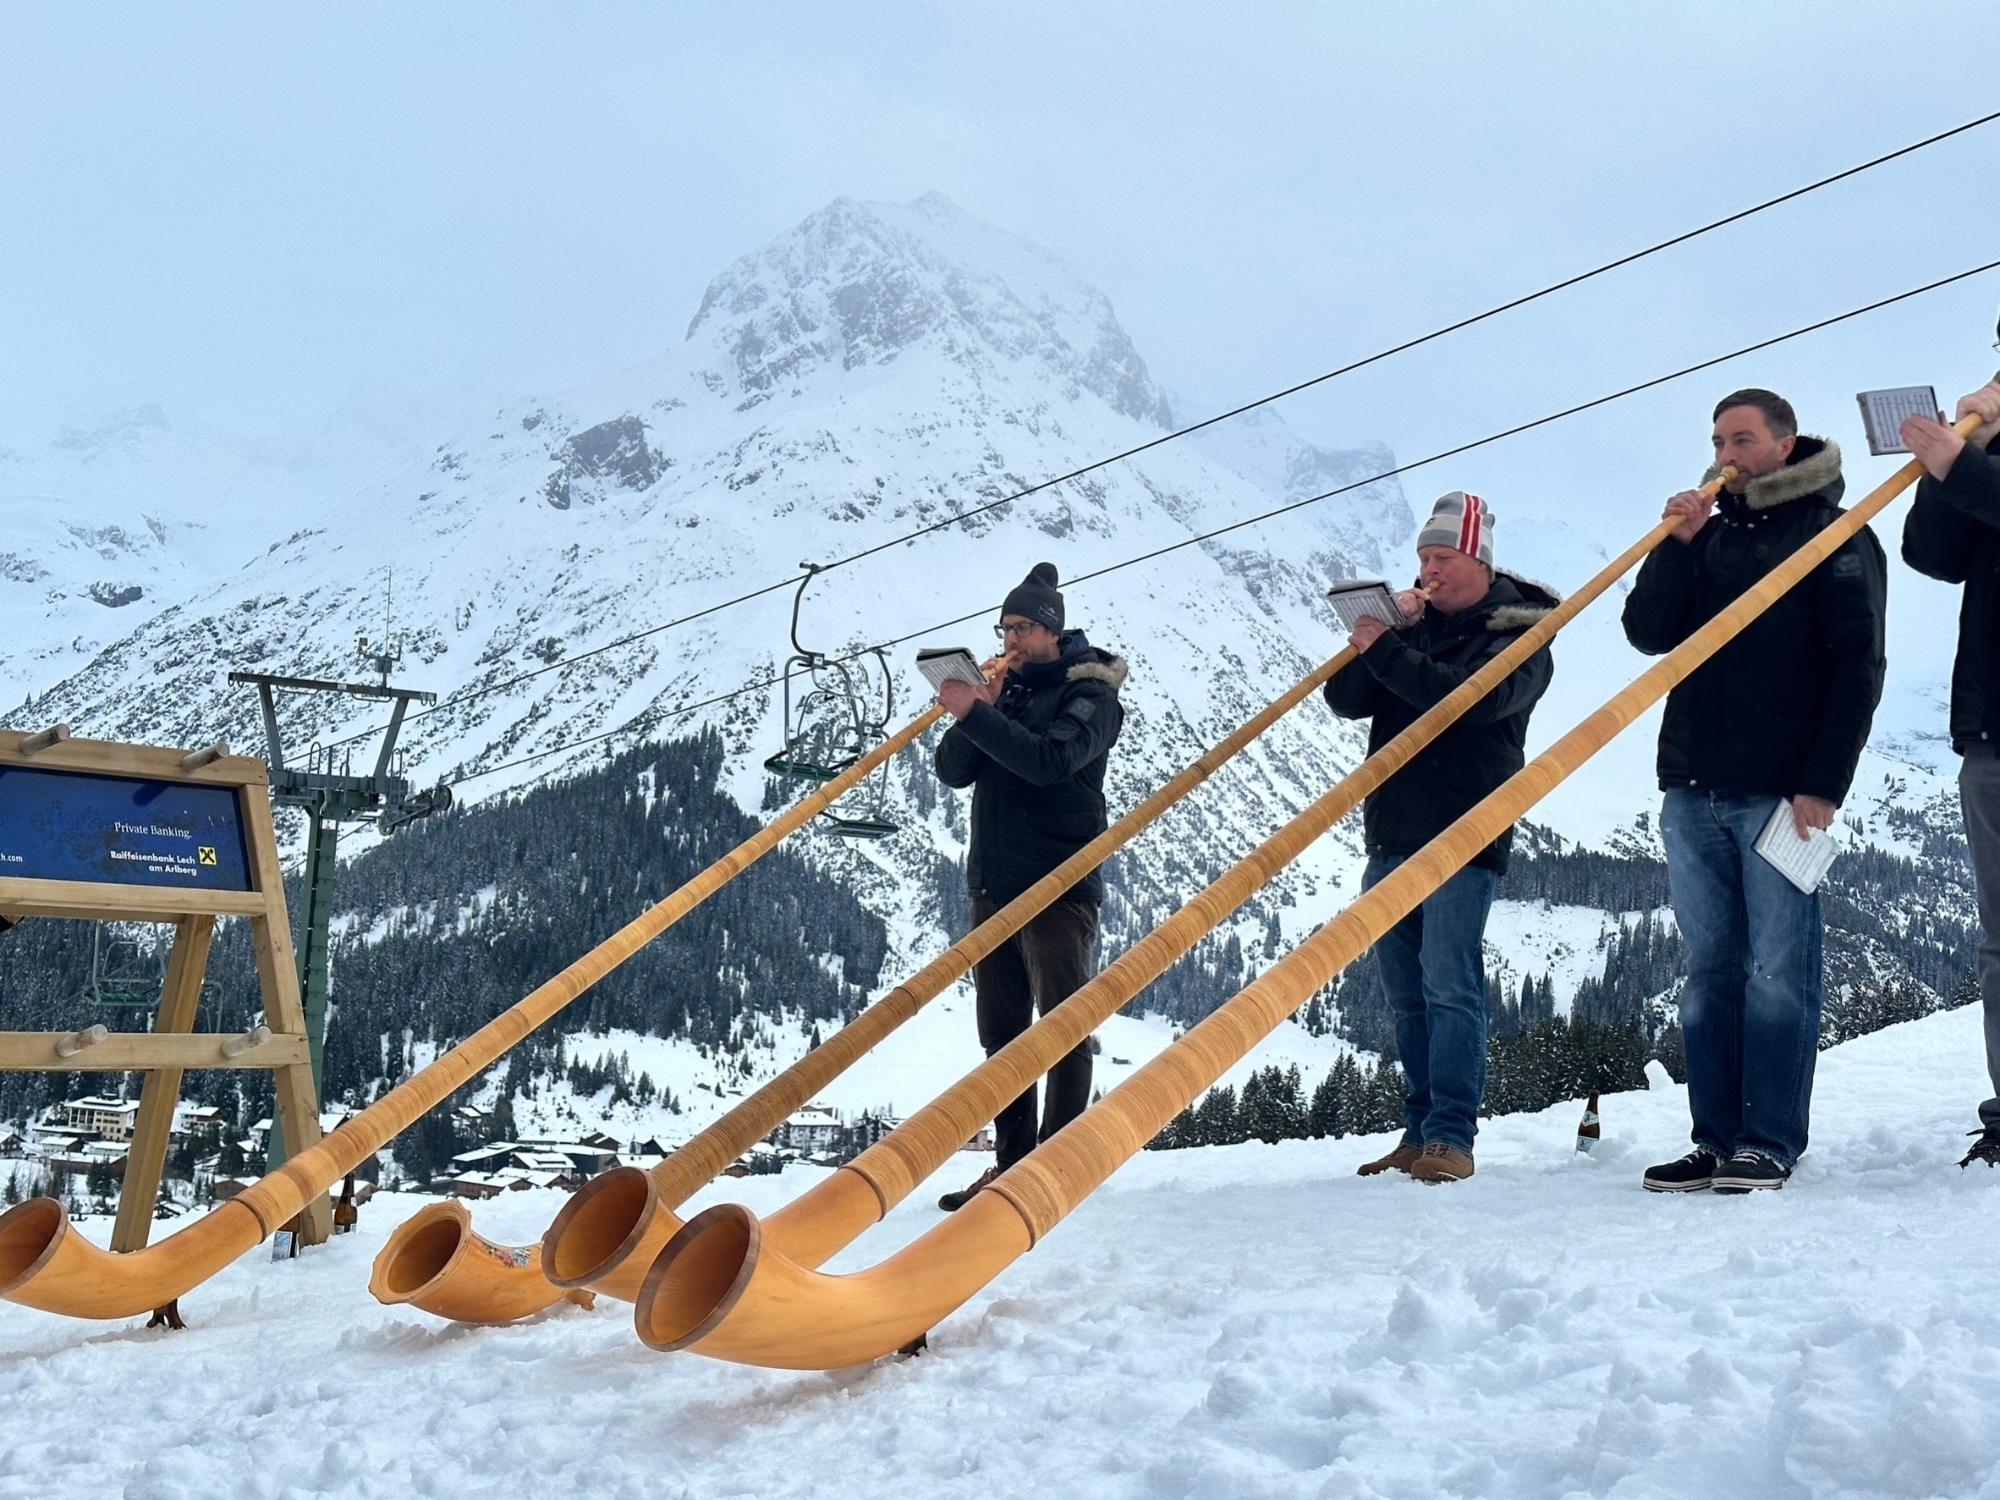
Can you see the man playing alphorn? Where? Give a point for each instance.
(1778, 714)
(1433, 977)
(1953, 533)
(1033, 744)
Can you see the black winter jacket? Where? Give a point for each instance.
(1406, 672)
(1035, 761)
(1953, 533)
(1784, 708)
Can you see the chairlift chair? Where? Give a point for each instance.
(828, 728)
(123, 971)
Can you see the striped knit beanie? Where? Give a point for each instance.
(1461, 522)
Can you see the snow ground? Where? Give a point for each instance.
(1545, 1329)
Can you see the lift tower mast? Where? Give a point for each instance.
(330, 797)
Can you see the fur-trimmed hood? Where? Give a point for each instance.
(1079, 662)
(1531, 601)
(1111, 669)
(1814, 469)
(1514, 602)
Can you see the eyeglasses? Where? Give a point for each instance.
(1003, 631)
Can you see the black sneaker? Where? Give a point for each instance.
(951, 1203)
(1691, 1174)
(1986, 1148)
(1747, 1171)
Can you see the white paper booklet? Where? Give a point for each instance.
(949, 663)
(1884, 412)
(1804, 862)
(1358, 599)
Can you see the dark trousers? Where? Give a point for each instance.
(1979, 796)
(1037, 969)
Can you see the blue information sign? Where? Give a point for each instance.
(121, 830)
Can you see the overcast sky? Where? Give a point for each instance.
(253, 215)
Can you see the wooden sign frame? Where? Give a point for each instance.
(279, 1045)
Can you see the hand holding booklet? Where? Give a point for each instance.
(1882, 414)
(1802, 861)
(944, 664)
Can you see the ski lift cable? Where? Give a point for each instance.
(1236, 411)
(651, 719)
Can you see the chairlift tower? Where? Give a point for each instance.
(327, 789)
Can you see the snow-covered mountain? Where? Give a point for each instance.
(877, 369)
(119, 515)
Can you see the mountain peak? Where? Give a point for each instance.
(858, 284)
(118, 427)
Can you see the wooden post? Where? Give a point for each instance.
(284, 1011)
(146, 1162)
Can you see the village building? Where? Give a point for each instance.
(813, 1129)
(107, 1119)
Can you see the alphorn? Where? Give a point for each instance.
(609, 1234)
(720, 1287)
(45, 1263)
(821, 1222)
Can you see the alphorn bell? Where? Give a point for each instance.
(719, 1289)
(45, 1263)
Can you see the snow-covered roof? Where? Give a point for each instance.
(101, 1104)
(484, 1153)
(511, 1175)
(479, 1179)
(544, 1161)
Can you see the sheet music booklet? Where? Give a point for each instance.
(944, 664)
(1803, 862)
(1358, 599)
(1883, 413)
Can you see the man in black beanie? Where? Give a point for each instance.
(1032, 744)
(1952, 533)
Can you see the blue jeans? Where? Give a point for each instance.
(1750, 1011)
(1434, 980)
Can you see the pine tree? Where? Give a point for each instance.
(1215, 1118)
(1324, 1112)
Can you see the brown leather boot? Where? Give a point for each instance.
(951, 1203)
(1400, 1160)
(1442, 1163)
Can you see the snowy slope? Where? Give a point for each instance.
(925, 1056)
(1544, 1330)
(115, 519)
